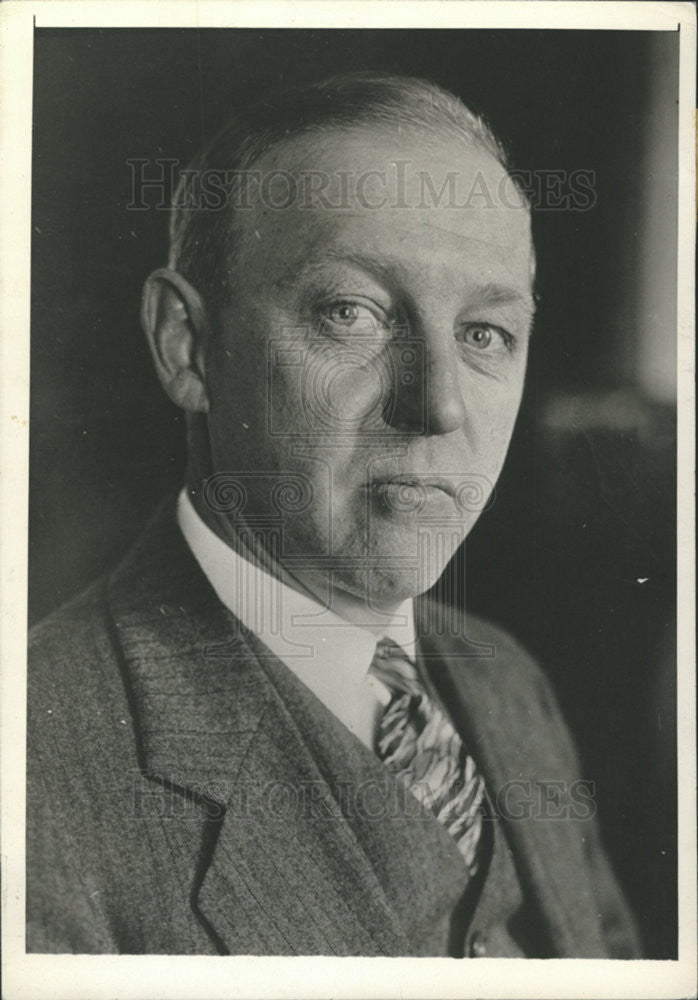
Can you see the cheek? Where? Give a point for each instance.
(235, 378)
(491, 415)
(237, 420)
(328, 392)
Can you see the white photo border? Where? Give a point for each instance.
(70, 976)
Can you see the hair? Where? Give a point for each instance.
(201, 239)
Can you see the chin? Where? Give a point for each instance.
(394, 588)
(389, 581)
(401, 561)
(408, 563)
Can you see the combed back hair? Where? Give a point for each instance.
(202, 238)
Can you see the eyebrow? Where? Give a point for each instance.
(491, 294)
(502, 295)
(390, 274)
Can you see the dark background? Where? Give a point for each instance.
(577, 554)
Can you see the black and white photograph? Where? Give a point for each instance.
(350, 618)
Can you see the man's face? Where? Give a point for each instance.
(365, 378)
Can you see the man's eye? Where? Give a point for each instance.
(484, 336)
(348, 313)
(356, 314)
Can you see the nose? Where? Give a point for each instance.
(427, 397)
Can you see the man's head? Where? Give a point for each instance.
(349, 328)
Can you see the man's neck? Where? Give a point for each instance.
(319, 587)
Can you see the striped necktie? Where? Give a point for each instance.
(418, 743)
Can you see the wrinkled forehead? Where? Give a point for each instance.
(434, 198)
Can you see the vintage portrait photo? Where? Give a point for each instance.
(351, 504)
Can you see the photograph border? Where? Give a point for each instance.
(173, 977)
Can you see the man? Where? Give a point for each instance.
(251, 738)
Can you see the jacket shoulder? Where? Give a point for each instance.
(468, 640)
(512, 661)
(80, 741)
(498, 683)
(73, 659)
(79, 611)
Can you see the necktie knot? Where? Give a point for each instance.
(393, 667)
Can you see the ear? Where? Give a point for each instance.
(175, 322)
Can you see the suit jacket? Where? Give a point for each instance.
(187, 795)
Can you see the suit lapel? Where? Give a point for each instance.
(281, 871)
(503, 708)
(288, 875)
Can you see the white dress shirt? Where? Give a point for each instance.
(330, 655)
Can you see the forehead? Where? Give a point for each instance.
(418, 202)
